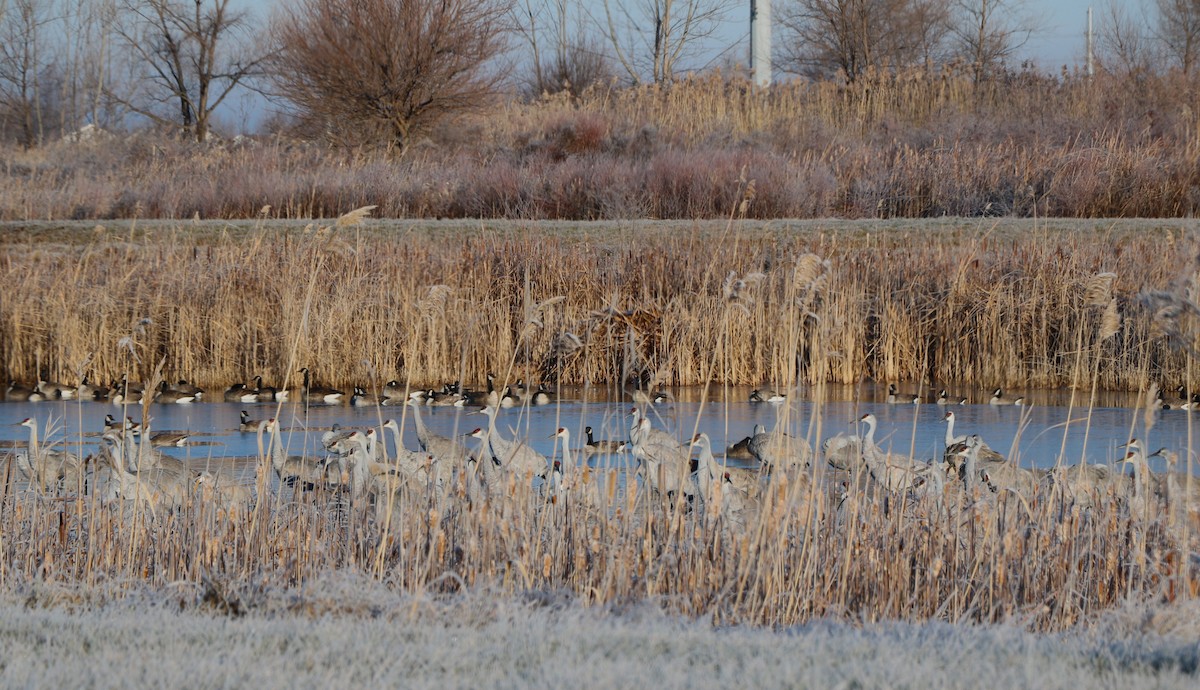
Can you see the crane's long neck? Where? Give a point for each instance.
(395, 429)
(568, 461)
(708, 470)
(358, 470)
(34, 450)
(972, 465)
(949, 430)
(869, 438)
(277, 458)
(372, 446)
(131, 451)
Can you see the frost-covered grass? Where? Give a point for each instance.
(352, 634)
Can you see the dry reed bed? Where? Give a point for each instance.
(984, 305)
(909, 145)
(1045, 564)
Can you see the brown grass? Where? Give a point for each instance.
(981, 304)
(908, 145)
(697, 302)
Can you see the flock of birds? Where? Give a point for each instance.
(125, 392)
(359, 463)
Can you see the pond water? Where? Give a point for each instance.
(1034, 436)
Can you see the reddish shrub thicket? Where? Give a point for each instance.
(887, 146)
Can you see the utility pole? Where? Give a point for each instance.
(760, 42)
(1090, 67)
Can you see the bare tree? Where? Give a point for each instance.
(653, 38)
(24, 64)
(564, 54)
(989, 32)
(192, 54)
(385, 70)
(1122, 44)
(1179, 31)
(847, 37)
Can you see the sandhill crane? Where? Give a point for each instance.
(46, 467)
(779, 451)
(664, 463)
(417, 462)
(292, 468)
(317, 394)
(954, 459)
(895, 397)
(896, 473)
(748, 480)
(513, 455)
(227, 494)
(443, 449)
(151, 488)
(1084, 483)
(1182, 492)
(999, 399)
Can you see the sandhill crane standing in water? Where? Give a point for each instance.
(513, 455)
(47, 467)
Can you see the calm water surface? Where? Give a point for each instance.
(1035, 436)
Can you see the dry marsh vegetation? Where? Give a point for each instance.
(914, 144)
(419, 642)
(981, 303)
(702, 303)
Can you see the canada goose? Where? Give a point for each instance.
(247, 424)
(896, 398)
(169, 438)
(519, 390)
(601, 447)
(362, 398)
(443, 398)
(394, 390)
(481, 398)
(514, 455)
(239, 393)
(945, 399)
(317, 394)
(167, 396)
(545, 397)
(18, 393)
(89, 391)
(758, 396)
(739, 450)
(268, 393)
(125, 392)
(56, 391)
(110, 423)
(186, 388)
(998, 398)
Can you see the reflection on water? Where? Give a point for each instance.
(1034, 436)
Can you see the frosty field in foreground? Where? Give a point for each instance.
(351, 637)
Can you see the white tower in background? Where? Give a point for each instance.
(760, 41)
